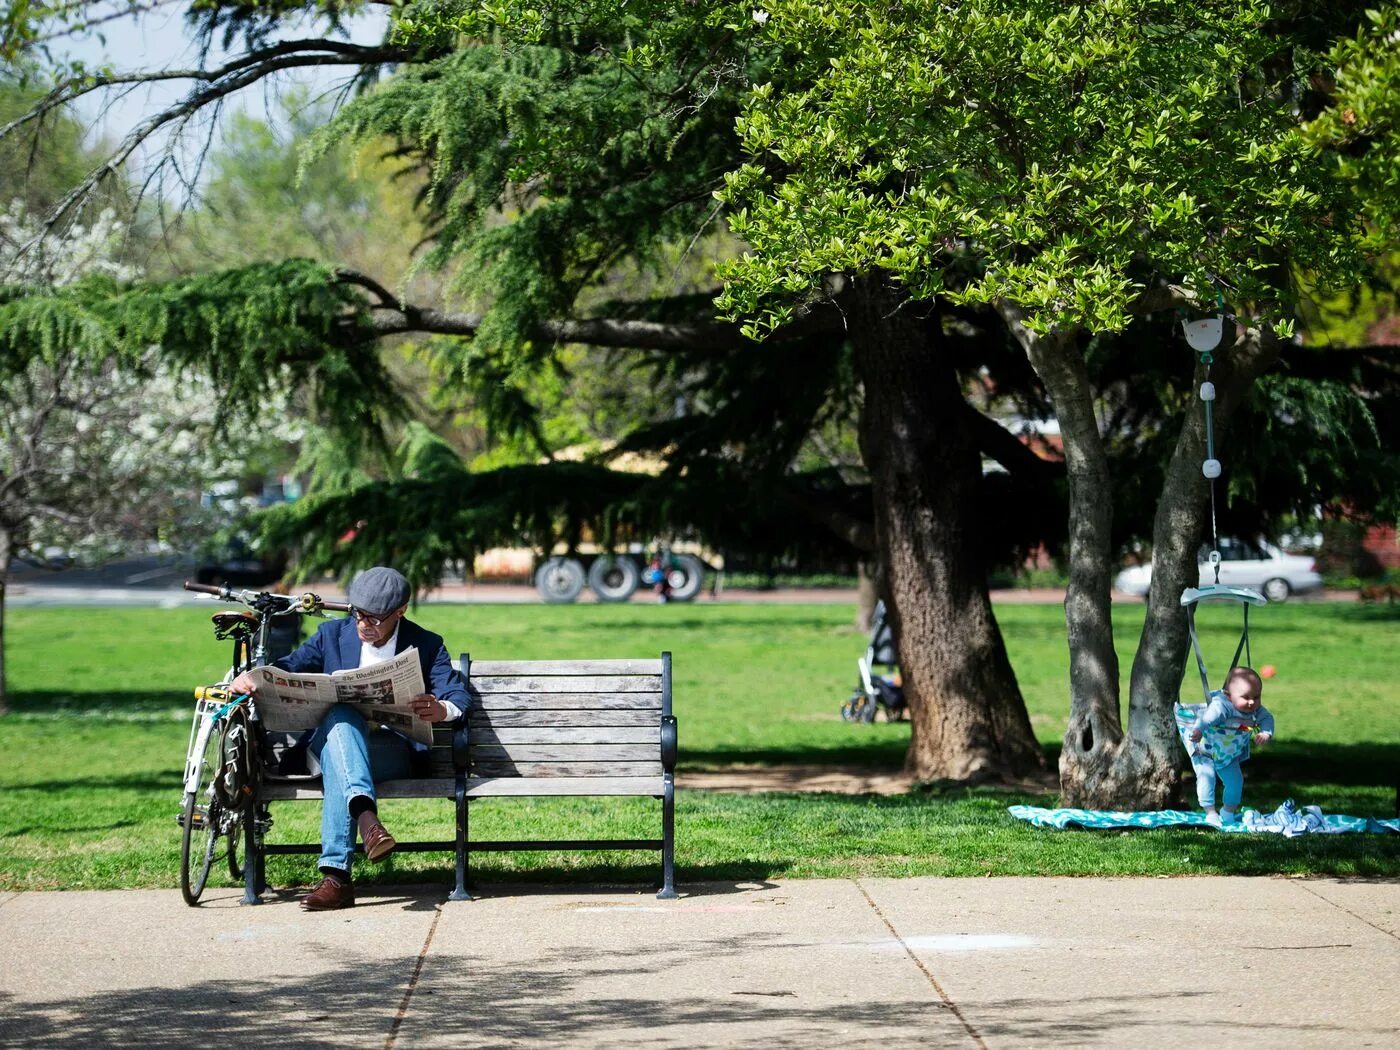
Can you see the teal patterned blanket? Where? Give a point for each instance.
(1287, 820)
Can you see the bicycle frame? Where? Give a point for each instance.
(213, 705)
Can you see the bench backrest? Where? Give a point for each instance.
(594, 722)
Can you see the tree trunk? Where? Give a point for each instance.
(1180, 523)
(969, 719)
(869, 584)
(1094, 752)
(5, 545)
(1100, 766)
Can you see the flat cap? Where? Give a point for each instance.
(379, 591)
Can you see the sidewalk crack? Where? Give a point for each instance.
(932, 980)
(412, 983)
(1340, 907)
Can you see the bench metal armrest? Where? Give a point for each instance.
(460, 750)
(669, 743)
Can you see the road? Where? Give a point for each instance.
(157, 581)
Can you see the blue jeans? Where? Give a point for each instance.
(351, 757)
(1231, 782)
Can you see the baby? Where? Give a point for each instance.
(1219, 741)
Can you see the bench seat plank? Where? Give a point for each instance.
(580, 768)
(484, 787)
(648, 683)
(536, 717)
(555, 752)
(564, 667)
(643, 734)
(647, 701)
(310, 788)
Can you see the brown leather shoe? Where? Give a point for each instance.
(378, 842)
(330, 895)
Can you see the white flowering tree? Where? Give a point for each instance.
(97, 452)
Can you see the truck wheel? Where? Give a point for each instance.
(559, 580)
(686, 576)
(614, 577)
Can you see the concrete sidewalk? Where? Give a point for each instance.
(869, 962)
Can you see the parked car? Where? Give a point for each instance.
(1243, 563)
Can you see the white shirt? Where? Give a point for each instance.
(378, 654)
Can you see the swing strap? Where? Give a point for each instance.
(1243, 647)
(1196, 647)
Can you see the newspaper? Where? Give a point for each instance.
(290, 702)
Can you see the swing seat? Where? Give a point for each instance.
(1222, 592)
(1221, 744)
(1219, 748)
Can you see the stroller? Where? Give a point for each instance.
(875, 691)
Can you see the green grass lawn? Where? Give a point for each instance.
(91, 757)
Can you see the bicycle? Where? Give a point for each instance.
(223, 757)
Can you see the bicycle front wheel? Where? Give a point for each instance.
(203, 822)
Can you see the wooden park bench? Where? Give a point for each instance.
(533, 728)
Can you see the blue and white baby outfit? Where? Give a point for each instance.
(1224, 744)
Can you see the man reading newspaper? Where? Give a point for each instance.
(350, 751)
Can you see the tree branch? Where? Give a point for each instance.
(391, 316)
(999, 444)
(1161, 297)
(226, 80)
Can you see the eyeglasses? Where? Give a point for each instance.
(373, 621)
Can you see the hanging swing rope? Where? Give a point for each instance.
(1204, 336)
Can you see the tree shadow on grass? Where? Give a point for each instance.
(870, 754)
(76, 829)
(171, 782)
(59, 703)
(1356, 853)
(1363, 764)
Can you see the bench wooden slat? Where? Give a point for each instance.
(305, 790)
(563, 667)
(483, 787)
(506, 768)
(478, 719)
(518, 753)
(563, 701)
(649, 683)
(568, 735)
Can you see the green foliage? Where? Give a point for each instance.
(38, 168)
(1361, 126)
(1057, 157)
(591, 162)
(255, 330)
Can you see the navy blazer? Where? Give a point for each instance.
(336, 647)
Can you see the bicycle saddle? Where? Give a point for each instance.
(227, 622)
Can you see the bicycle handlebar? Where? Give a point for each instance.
(305, 603)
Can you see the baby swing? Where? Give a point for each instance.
(1222, 745)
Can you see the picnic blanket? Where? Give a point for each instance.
(1289, 819)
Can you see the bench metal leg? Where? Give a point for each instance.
(459, 892)
(668, 841)
(252, 855)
